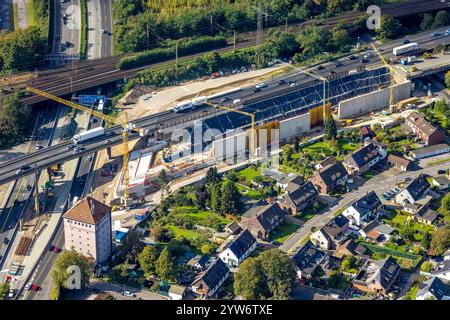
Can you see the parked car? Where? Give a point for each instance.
(320, 67)
(441, 171)
(51, 247)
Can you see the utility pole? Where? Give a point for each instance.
(234, 40)
(176, 54)
(36, 191)
(148, 43)
(210, 25)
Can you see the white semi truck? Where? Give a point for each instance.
(405, 48)
(88, 134)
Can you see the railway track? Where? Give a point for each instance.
(82, 75)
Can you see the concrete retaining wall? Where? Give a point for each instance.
(228, 147)
(292, 127)
(372, 101)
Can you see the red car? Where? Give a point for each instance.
(57, 250)
(35, 287)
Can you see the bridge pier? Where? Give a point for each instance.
(108, 153)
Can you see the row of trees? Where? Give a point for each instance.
(14, 119)
(140, 24)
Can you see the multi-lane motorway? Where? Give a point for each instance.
(23, 187)
(61, 153)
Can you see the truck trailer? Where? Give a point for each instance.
(88, 134)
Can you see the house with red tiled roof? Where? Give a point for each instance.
(88, 229)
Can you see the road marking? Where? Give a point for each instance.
(42, 270)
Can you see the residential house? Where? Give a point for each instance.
(262, 219)
(442, 182)
(415, 190)
(308, 259)
(88, 229)
(325, 163)
(328, 179)
(362, 209)
(424, 130)
(442, 269)
(399, 162)
(233, 228)
(430, 151)
(332, 235)
(362, 159)
(381, 147)
(349, 248)
(177, 292)
(427, 216)
(366, 133)
(199, 262)
(377, 277)
(420, 205)
(377, 231)
(300, 198)
(433, 289)
(210, 281)
(284, 181)
(238, 250)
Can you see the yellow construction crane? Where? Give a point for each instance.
(391, 73)
(252, 117)
(108, 119)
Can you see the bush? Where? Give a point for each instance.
(164, 54)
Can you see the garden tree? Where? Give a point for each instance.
(60, 272)
(440, 240)
(427, 22)
(119, 273)
(339, 5)
(131, 246)
(389, 27)
(407, 231)
(288, 152)
(427, 266)
(249, 281)
(232, 176)
(297, 144)
(14, 118)
(349, 264)
(445, 204)
(270, 275)
(208, 248)
(4, 289)
(201, 195)
(147, 259)
(313, 40)
(164, 183)
(340, 39)
(426, 241)
(447, 79)
(230, 199)
(330, 128)
(165, 266)
(338, 280)
(441, 19)
(216, 199)
(440, 106)
(212, 177)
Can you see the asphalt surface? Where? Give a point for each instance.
(106, 24)
(57, 154)
(20, 194)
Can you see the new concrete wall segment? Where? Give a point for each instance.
(372, 101)
(290, 128)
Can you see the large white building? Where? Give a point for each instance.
(88, 229)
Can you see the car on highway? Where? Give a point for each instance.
(225, 99)
(51, 247)
(261, 85)
(12, 293)
(256, 89)
(434, 34)
(39, 146)
(281, 82)
(364, 60)
(28, 187)
(337, 63)
(82, 182)
(108, 141)
(406, 41)
(57, 249)
(23, 168)
(320, 67)
(104, 31)
(441, 171)
(5, 241)
(70, 147)
(28, 286)
(128, 294)
(352, 57)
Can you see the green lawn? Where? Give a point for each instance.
(188, 234)
(282, 233)
(250, 193)
(401, 218)
(432, 163)
(319, 147)
(197, 216)
(406, 260)
(248, 173)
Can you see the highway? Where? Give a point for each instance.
(61, 153)
(24, 186)
(106, 24)
(98, 72)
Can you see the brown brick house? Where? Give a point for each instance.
(297, 199)
(330, 178)
(424, 130)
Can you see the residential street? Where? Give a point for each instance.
(379, 184)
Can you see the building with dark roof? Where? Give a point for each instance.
(199, 262)
(424, 130)
(328, 179)
(260, 220)
(211, 280)
(238, 250)
(377, 277)
(399, 162)
(300, 198)
(332, 234)
(414, 191)
(362, 209)
(307, 259)
(366, 133)
(349, 248)
(88, 229)
(426, 216)
(362, 159)
(433, 289)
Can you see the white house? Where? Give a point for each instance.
(177, 292)
(415, 190)
(360, 210)
(238, 250)
(434, 289)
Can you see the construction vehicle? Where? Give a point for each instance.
(110, 120)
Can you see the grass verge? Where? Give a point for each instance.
(83, 32)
